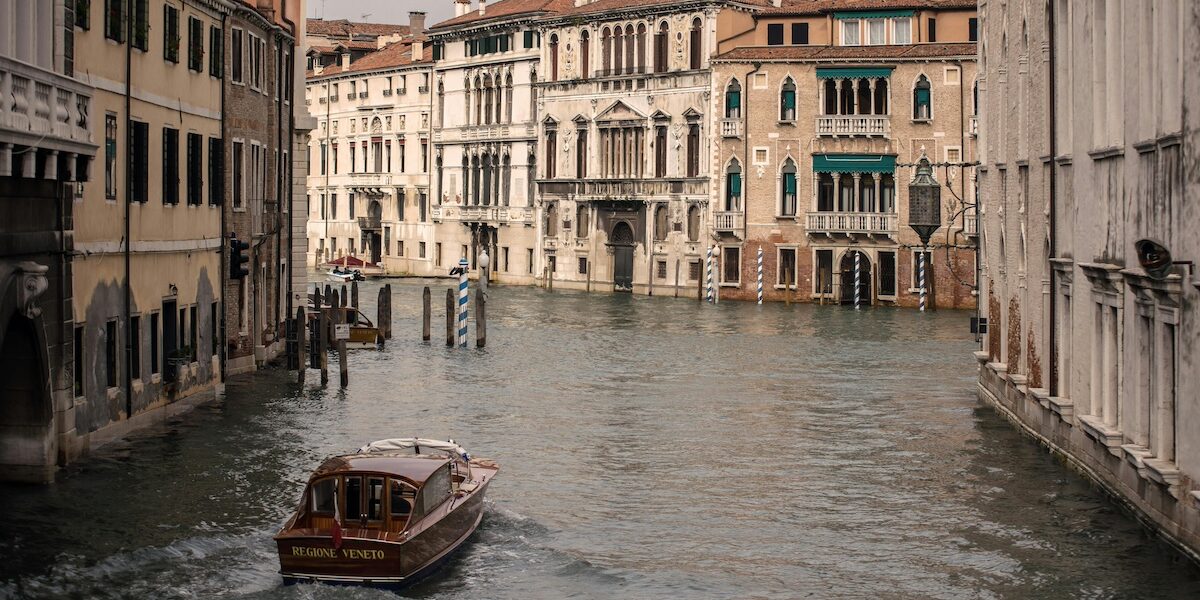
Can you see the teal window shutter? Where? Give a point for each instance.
(733, 100)
(923, 96)
(789, 99)
(789, 183)
(735, 184)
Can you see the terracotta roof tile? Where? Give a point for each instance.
(396, 54)
(815, 7)
(802, 53)
(507, 9)
(344, 28)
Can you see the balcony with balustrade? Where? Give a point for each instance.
(731, 128)
(624, 189)
(49, 112)
(839, 223)
(853, 125)
(370, 223)
(971, 225)
(729, 221)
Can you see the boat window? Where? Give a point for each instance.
(375, 498)
(323, 492)
(352, 317)
(436, 489)
(402, 498)
(353, 498)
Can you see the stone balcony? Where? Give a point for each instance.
(624, 189)
(973, 126)
(494, 215)
(731, 128)
(851, 223)
(370, 223)
(47, 111)
(853, 125)
(728, 221)
(370, 183)
(971, 225)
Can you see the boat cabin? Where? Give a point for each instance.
(377, 492)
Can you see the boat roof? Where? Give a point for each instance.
(414, 467)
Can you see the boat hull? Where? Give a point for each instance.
(305, 556)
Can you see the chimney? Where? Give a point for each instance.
(461, 7)
(418, 50)
(345, 61)
(482, 7)
(416, 22)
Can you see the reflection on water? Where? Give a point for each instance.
(651, 447)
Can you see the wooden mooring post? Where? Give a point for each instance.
(426, 316)
(380, 314)
(323, 342)
(480, 318)
(449, 318)
(301, 326)
(344, 297)
(354, 294)
(343, 367)
(677, 278)
(388, 298)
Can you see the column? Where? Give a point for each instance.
(878, 198)
(50, 168)
(856, 195)
(5, 160)
(871, 86)
(815, 191)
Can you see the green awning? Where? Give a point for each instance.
(854, 73)
(854, 163)
(874, 14)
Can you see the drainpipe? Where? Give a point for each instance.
(746, 150)
(1053, 378)
(128, 202)
(291, 128)
(227, 150)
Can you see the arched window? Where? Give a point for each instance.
(975, 98)
(499, 97)
(629, 49)
(831, 97)
(787, 191)
(581, 151)
(551, 154)
(478, 100)
(846, 97)
(466, 177)
(922, 110)
(553, 58)
(696, 45)
(787, 101)
(864, 97)
(866, 193)
(552, 220)
(487, 100)
(846, 193)
(887, 194)
(441, 104)
(693, 223)
(825, 193)
(660, 47)
(605, 51)
(581, 221)
(733, 186)
(733, 100)
(508, 98)
(584, 52)
(618, 51)
(641, 48)
(881, 96)
(693, 150)
(660, 222)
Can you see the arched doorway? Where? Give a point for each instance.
(25, 415)
(375, 212)
(622, 241)
(847, 277)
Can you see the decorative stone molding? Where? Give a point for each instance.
(31, 284)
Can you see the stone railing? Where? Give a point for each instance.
(370, 223)
(731, 128)
(973, 126)
(372, 179)
(626, 189)
(728, 221)
(852, 222)
(41, 104)
(971, 225)
(851, 125)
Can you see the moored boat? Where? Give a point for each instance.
(388, 514)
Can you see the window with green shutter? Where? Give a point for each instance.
(528, 39)
(787, 101)
(171, 33)
(114, 19)
(922, 106)
(735, 184)
(141, 24)
(733, 100)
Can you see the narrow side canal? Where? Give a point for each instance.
(651, 448)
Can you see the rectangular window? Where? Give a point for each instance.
(83, 16)
(775, 34)
(902, 31)
(887, 273)
(823, 282)
(421, 250)
(529, 260)
(238, 172)
(213, 320)
(661, 268)
(504, 258)
(216, 52)
(171, 33)
(114, 19)
(333, 211)
(195, 162)
(139, 148)
(583, 265)
(193, 342)
(170, 166)
(437, 254)
(237, 62)
(110, 156)
(731, 266)
(799, 34)
(141, 24)
(851, 28)
(787, 268)
(876, 32)
(195, 45)
(216, 171)
(400, 248)
(931, 27)
(973, 29)
(155, 350)
(135, 346)
(693, 270)
(79, 370)
(110, 353)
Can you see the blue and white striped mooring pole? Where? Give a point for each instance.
(857, 279)
(462, 303)
(921, 277)
(709, 278)
(760, 274)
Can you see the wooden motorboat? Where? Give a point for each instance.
(363, 333)
(388, 514)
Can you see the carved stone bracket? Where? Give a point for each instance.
(31, 284)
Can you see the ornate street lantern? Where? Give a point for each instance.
(924, 201)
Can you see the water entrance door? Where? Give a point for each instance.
(622, 245)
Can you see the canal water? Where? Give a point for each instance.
(650, 447)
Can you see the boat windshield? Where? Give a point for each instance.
(436, 489)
